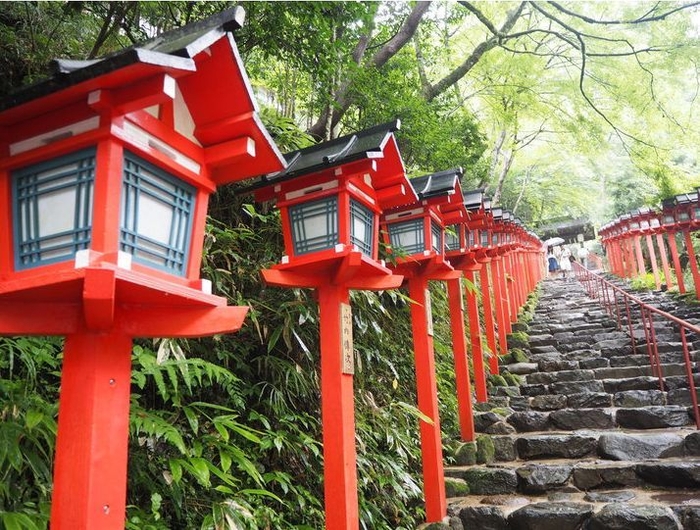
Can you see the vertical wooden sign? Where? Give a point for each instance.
(347, 350)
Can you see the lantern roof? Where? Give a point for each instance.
(376, 144)
(473, 199)
(203, 59)
(437, 184)
(668, 204)
(685, 198)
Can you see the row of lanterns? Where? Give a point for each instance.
(105, 173)
(622, 239)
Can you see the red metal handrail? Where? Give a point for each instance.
(608, 294)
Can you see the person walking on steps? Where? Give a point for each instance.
(552, 263)
(565, 262)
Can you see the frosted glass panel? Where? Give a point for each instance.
(56, 212)
(155, 219)
(362, 227)
(52, 209)
(156, 216)
(408, 236)
(314, 225)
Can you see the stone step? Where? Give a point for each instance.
(535, 478)
(543, 376)
(618, 509)
(612, 445)
(586, 383)
(552, 419)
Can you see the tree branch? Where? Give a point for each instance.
(342, 98)
(483, 47)
(641, 20)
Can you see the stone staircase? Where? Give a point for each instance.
(589, 440)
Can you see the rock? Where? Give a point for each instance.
(609, 496)
(689, 516)
(484, 420)
(434, 526)
(521, 368)
(554, 365)
(591, 476)
(541, 378)
(556, 446)
(456, 523)
(519, 403)
(691, 444)
(620, 446)
(574, 419)
(483, 518)
(548, 402)
(490, 481)
(507, 391)
(595, 362)
(456, 487)
(613, 347)
(638, 398)
(574, 375)
(534, 390)
(504, 448)
(612, 386)
(576, 387)
(671, 474)
(529, 421)
(505, 500)
(465, 455)
(633, 517)
(485, 452)
(500, 427)
(550, 516)
(540, 478)
(589, 400)
(652, 417)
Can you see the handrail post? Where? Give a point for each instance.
(691, 379)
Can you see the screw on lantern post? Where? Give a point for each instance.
(105, 173)
(330, 197)
(416, 237)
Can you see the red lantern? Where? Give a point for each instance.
(105, 174)
(330, 197)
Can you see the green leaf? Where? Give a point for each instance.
(33, 418)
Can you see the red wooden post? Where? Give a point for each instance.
(516, 283)
(652, 258)
(459, 347)
(692, 261)
(630, 261)
(500, 305)
(475, 334)
(431, 440)
(337, 412)
(505, 293)
(641, 270)
(676, 262)
(99, 284)
(93, 432)
(486, 303)
(664, 259)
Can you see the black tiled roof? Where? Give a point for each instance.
(170, 49)
(365, 144)
(473, 199)
(436, 184)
